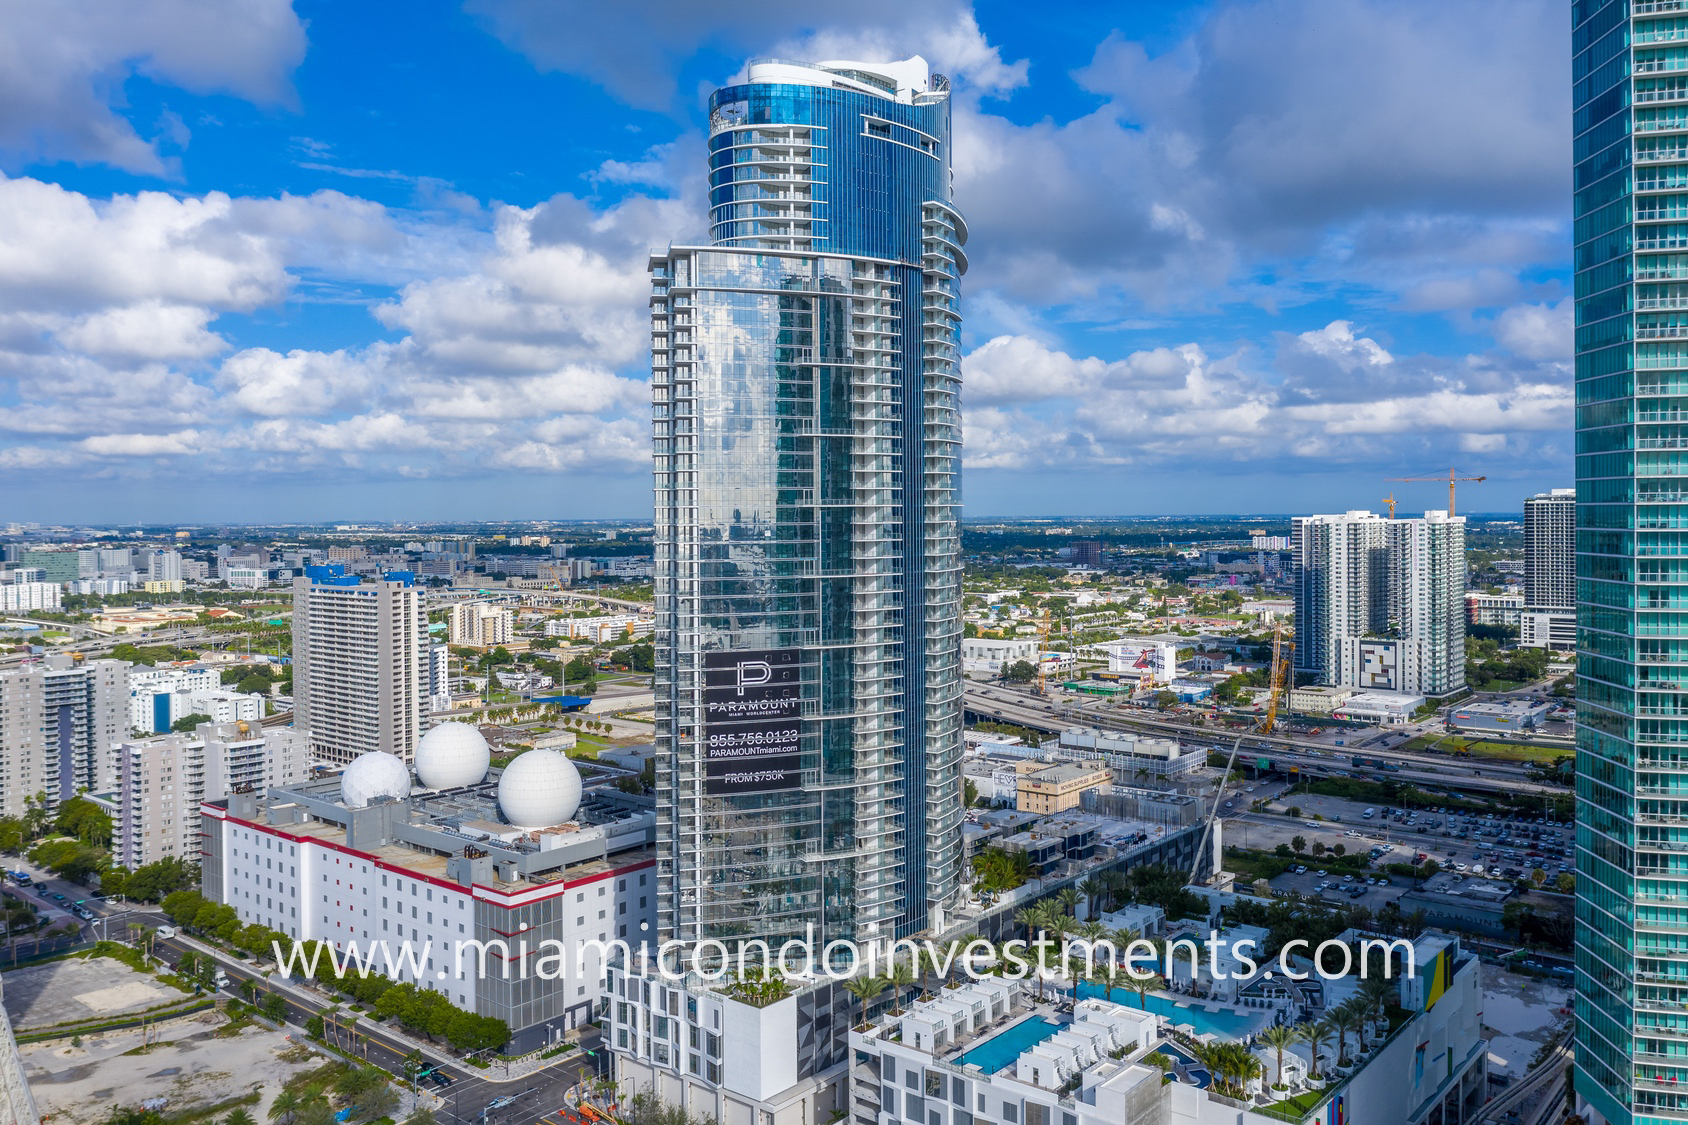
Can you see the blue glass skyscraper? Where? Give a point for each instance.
(807, 431)
(1630, 105)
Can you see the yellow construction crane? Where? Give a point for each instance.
(1390, 500)
(1450, 478)
(1279, 679)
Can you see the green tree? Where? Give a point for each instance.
(188, 722)
(1298, 844)
(1020, 672)
(1278, 1037)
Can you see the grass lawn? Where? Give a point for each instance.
(1515, 753)
(1301, 1104)
(1544, 754)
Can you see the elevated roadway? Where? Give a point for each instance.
(1312, 759)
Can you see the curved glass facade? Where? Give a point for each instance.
(807, 432)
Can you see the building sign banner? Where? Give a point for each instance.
(752, 731)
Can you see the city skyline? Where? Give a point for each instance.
(261, 265)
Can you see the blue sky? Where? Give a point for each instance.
(267, 261)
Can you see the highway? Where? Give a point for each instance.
(1026, 708)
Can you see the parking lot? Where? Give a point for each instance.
(1459, 842)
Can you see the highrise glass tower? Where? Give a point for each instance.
(805, 380)
(1630, 101)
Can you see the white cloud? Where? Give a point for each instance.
(510, 341)
(635, 48)
(1178, 408)
(64, 62)
(149, 330)
(264, 382)
(143, 445)
(1537, 331)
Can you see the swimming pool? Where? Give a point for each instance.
(1003, 1048)
(1225, 1023)
(1194, 1070)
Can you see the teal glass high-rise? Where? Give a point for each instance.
(1630, 95)
(805, 380)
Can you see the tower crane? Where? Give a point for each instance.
(1279, 678)
(1390, 500)
(1450, 478)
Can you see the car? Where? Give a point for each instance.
(166, 932)
(84, 913)
(1356, 893)
(439, 1078)
(58, 897)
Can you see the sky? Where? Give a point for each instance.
(270, 261)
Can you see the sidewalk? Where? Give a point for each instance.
(311, 997)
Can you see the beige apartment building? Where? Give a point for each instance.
(1059, 788)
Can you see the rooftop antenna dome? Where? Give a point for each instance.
(372, 775)
(538, 789)
(452, 755)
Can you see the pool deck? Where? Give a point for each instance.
(1036, 1010)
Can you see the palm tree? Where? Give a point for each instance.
(1315, 1033)
(1359, 1014)
(1143, 985)
(1377, 992)
(285, 1106)
(1030, 917)
(1092, 889)
(239, 1116)
(1345, 1017)
(867, 990)
(1279, 1036)
(1068, 898)
(899, 977)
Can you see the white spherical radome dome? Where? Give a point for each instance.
(452, 755)
(538, 789)
(372, 775)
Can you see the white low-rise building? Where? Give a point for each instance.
(989, 656)
(390, 862)
(601, 630)
(160, 697)
(1384, 708)
(1143, 659)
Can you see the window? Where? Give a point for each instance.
(958, 1092)
(1011, 1113)
(934, 1084)
(914, 1107)
(1037, 1114)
